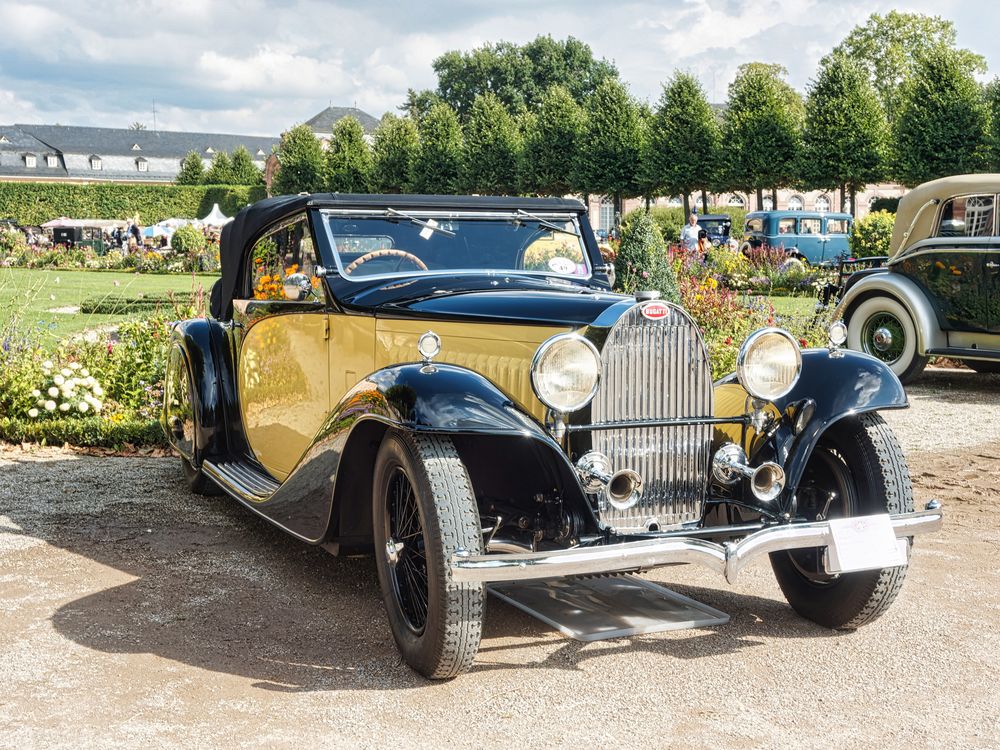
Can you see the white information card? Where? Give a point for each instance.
(864, 543)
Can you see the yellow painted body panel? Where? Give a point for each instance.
(500, 353)
(731, 400)
(352, 353)
(284, 386)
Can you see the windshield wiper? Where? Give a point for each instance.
(426, 224)
(546, 224)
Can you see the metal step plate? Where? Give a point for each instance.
(601, 608)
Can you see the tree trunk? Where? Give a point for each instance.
(704, 201)
(760, 199)
(843, 198)
(648, 201)
(854, 195)
(618, 210)
(687, 206)
(774, 198)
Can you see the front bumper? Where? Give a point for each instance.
(728, 559)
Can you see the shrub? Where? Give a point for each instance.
(642, 261)
(113, 304)
(114, 432)
(872, 235)
(188, 240)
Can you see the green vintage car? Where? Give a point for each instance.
(450, 383)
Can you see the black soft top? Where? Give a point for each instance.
(239, 235)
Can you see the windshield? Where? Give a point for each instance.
(392, 243)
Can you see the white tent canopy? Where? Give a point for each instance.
(215, 217)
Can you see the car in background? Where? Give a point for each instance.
(718, 227)
(818, 238)
(938, 291)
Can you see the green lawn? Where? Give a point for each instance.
(797, 306)
(44, 299)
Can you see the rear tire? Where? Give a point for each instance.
(197, 482)
(859, 459)
(423, 510)
(866, 328)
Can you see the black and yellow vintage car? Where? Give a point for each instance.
(451, 382)
(938, 292)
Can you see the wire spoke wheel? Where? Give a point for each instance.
(884, 337)
(405, 536)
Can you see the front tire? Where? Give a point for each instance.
(860, 460)
(423, 510)
(883, 328)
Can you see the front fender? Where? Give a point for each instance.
(842, 383)
(908, 294)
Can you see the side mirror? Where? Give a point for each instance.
(297, 287)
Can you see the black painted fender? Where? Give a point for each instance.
(200, 347)
(842, 383)
(328, 494)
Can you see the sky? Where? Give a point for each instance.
(257, 67)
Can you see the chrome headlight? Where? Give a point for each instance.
(565, 372)
(769, 363)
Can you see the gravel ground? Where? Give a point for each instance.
(136, 614)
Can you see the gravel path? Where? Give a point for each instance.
(136, 614)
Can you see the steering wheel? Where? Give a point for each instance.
(388, 252)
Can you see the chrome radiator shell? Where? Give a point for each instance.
(656, 368)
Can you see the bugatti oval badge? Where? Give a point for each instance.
(655, 310)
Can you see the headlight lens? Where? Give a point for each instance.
(565, 372)
(769, 363)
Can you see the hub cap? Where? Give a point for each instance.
(882, 339)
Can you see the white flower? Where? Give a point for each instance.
(58, 380)
(53, 391)
(36, 393)
(32, 413)
(83, 406)
(66, 373)
(85, 373)
(98, 391)
(74, 365)
(98, 406)
(50, 406)
(64, 406)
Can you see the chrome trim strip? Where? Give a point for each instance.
(728, 559)
(638, 423)
(243, 482)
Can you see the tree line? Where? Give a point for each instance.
(895, 100)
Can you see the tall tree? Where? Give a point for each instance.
(394, 149)
(438, 164)
(993, 102)
(684, 140)
(418, 103)
(551, 144)
(492, 145)
(192, 170)
(762, 129)
(220, 172)
(519, 75)
(943, 120)
(845, 138)
(888, 47)
(348, 158)
(610, 155)
(300, 159)
(243, 170)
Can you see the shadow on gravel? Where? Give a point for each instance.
(958, 385)
(219, 589)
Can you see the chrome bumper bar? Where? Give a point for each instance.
(728, 559)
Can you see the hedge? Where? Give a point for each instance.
(97, 432)
(111, 304)
(34, 203)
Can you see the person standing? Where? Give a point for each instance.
(704, 246)
(689, 234)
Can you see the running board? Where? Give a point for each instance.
(242, 480)
(983, 354)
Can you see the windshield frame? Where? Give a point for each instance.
(405, 214)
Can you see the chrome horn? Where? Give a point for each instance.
(730, 464)
(623, 489)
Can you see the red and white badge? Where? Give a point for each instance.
(655, 310)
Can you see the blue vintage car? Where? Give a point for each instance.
(819, 238)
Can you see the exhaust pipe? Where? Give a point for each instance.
(623, 489)
(729, 464)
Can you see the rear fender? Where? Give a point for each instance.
(904, 291)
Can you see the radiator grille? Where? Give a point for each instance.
(656, 369)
